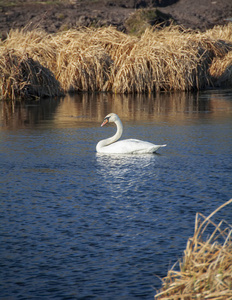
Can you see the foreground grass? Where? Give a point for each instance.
(36, 64)
(206, 269)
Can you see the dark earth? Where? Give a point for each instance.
(58, 15)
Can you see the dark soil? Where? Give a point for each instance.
(55, 15)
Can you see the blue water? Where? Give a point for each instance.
(78, 225)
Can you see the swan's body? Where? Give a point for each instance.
(112, 145)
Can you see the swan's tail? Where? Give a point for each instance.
(156, 147)
(152, 149)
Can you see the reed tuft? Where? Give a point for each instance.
(104, 59)
(24, 78)
(221, 67)
(206, 269)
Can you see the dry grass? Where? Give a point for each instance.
(221, 67)
(169, 59)
(37, 44)
(223, 33)
(83, 68)
(24, 78)
(105, 59)
(27, 60)
(221, 70)
(206, 269)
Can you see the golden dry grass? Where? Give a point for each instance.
(168, 59)
(221, 67)
(221, 70)
(83, 69)
(206, 269)
(24, 78)
(27, 60)
(37, 44)
(105, 59)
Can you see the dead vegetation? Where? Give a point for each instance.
(24, 78)
(206, 269)
(92, 60)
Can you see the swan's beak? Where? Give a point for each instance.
(105, 121)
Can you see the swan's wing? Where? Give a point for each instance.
(141, 147)
(131, 146)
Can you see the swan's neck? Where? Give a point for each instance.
(114, 138)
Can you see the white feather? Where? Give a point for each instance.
(133, 146)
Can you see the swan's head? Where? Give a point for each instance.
(110, 118)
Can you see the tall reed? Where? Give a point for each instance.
(37, 44)
(169, 59)
(24, 78)
(105, 59)
(206, 269)
(83, 69)
(221, 66)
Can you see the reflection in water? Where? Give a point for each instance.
(115, 165)
(74, 109)
(26, 114)
(127, 175)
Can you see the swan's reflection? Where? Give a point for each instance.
(125, 160)
(127, 175)
(85, 109)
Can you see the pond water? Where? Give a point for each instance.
(79, 225)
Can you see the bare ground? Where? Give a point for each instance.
(58, 15)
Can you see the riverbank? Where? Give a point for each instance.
(37, 64)
(55, 15)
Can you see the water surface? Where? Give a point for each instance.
(79, 225)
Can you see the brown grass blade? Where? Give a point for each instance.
(206, 269)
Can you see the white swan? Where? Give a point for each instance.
(111, 145)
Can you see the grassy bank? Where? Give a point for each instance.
(206, 269)
(35, 64)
